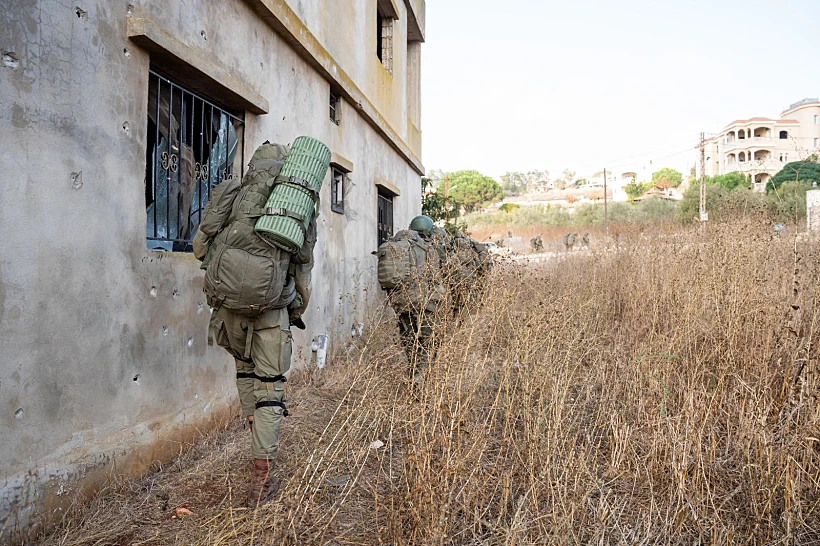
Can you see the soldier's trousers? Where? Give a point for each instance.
(262, 359)
(416, 330)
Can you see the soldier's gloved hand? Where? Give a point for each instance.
(298, 323)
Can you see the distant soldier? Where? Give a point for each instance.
(464, 272)
(569, 241)
(537, 244)
(410, 269)
(585, 240)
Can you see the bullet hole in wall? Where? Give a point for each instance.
(153, 292)
(203, 34)
(19, 413)
(190, 342)
(129, 11)
(77, 180)
(200, 308)
(126, 52)
(165, 330)
(137, 379)
(175, 294)
(82, 15)
(126, 126)
(11, 60)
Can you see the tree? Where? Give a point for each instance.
(807, 170)
(472, 190)
(517, 182)
(508, 207)
(790, 200)
(667, 178)
(731, 180)
(434, 205)
(566, 179)
(514, 183)
(635, 189)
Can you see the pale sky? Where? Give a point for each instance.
(581, 84)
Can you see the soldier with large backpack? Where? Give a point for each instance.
(410, 269)
(257, 291)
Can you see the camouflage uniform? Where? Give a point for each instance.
(419, 304)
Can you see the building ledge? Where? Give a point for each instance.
(389, 186)
(342, 162)
(284, 21)
(198, 72)
(416, 15)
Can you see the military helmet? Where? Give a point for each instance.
(439, 232)
(422, 224)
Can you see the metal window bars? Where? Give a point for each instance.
(193, 144)
(385, 218)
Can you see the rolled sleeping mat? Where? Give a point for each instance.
(292, 202)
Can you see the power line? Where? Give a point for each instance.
(616, 161)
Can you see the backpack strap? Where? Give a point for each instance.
(249, 339)
(300, 220)
(296, 181)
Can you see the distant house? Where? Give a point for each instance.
(760, 146)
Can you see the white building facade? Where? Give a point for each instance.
(759, 147)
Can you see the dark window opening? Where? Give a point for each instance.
(193, 144)
(385, 216)
(337, 191)
(384, 40)
(335, 104)
(379, 35)
(784, 135)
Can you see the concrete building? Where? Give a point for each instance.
(759, 147)
(117, 119)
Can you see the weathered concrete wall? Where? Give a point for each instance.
(103, 343)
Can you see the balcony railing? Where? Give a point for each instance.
(748, 142)
(755, 166)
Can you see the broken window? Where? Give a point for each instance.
(337, 190)
(192, 145)
(385, 215)
(335, 108)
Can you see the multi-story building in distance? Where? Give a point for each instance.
(759, 147)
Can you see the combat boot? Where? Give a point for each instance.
(263, 484)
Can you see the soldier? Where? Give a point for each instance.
(537, 244)
(418, 298)
(259, 343)
(569, 241)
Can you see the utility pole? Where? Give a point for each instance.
(704, 216)
(606, 213)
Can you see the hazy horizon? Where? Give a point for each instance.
(552, 85)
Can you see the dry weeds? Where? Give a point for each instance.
(666, 393)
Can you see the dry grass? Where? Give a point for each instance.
(666, 393)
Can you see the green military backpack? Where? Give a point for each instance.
(399, 257)
(245, 273)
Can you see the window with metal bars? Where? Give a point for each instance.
(385, 216)
(193, 144)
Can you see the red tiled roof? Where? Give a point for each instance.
(739, 121)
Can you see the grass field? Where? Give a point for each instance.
(663, 393)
